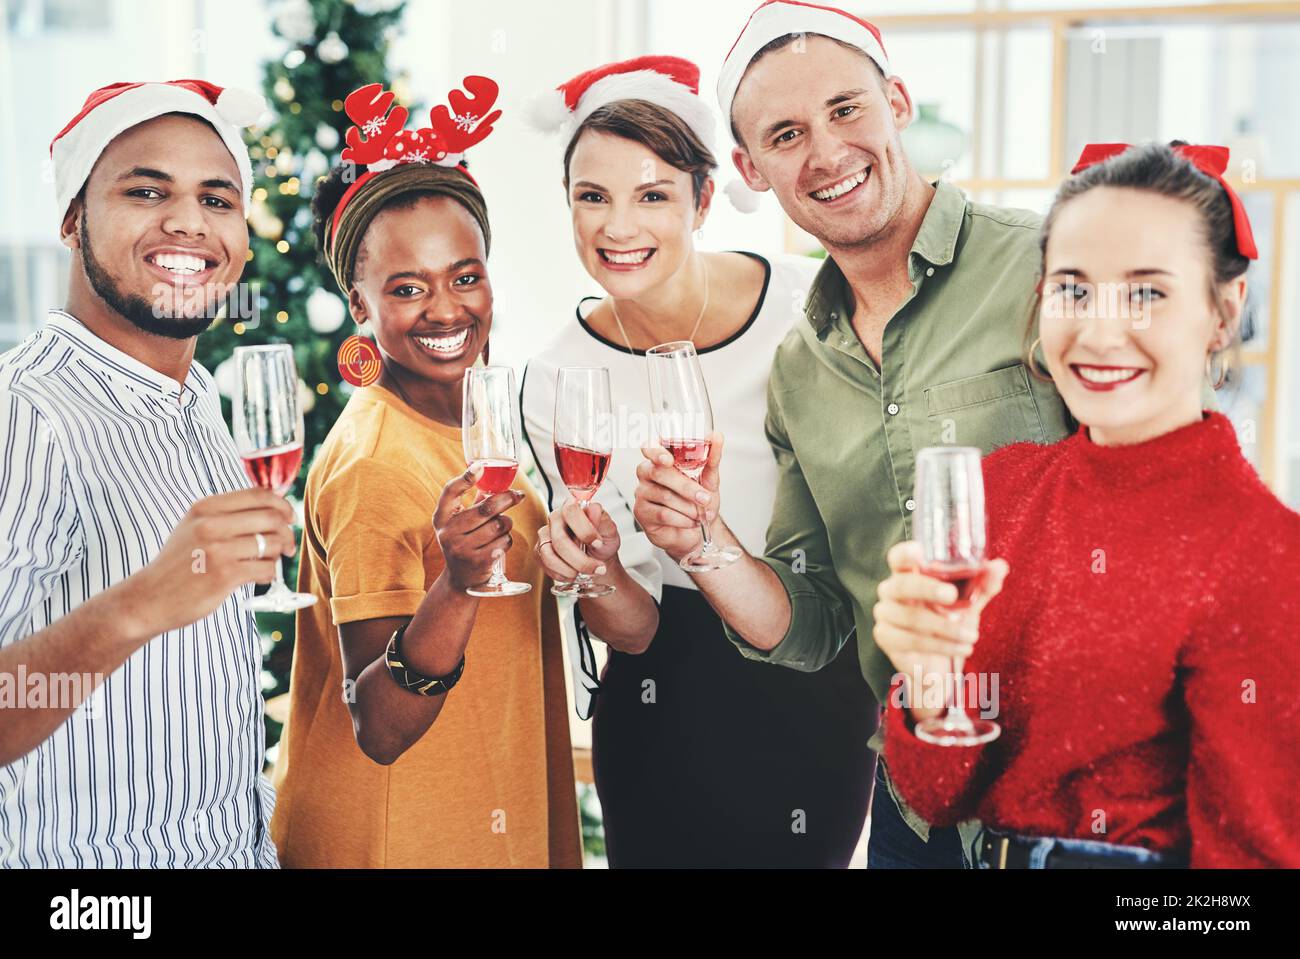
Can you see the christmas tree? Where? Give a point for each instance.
(332, 47)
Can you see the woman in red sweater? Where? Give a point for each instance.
(1144, 629)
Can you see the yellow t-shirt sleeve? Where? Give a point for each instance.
(376, 524)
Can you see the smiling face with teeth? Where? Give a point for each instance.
(633, 214)
(421, 282)
(159, 228)
(1129, 312)
(819, 126)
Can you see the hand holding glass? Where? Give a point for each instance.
(679, 404)
(949, 524)
(583, 445)
(268, 430)
(490, 435)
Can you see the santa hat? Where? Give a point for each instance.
(668, 82)
(113, 109)
(779, 18)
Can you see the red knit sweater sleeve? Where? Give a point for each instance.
(1241, 683)
(942, 784)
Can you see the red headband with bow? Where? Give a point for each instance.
(1210, 160)
(378, 141)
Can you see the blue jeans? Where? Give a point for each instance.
(893, 844)
(1114, 856)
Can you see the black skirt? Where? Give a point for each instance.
(704, 758)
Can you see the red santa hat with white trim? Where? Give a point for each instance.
(111, 110)
(668, 82)
(779, 18)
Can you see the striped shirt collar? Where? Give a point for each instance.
(122, 366)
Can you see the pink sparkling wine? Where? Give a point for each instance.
(964, 576)
(497, 475)
(689, 456)
(274, 469)
(581, 470)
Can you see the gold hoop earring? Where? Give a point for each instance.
(1216, 380)
(1032, 364)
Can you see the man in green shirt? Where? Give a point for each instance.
(914, 337)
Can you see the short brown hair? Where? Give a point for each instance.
(660, 131)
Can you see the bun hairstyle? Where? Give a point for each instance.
(329, 190)
(399, 188)
(659, 130)
(1157, 168)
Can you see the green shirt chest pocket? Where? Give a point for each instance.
(988, 410)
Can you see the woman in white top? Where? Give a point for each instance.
(701, 757)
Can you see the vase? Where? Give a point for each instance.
(933, 145)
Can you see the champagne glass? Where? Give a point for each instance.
(490, 434)
(583, 446)
(679, 403)
(949, 524)
(268, 431)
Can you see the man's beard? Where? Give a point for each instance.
(136, 309)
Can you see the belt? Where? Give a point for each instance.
(1007, 851)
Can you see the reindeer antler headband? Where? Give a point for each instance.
(379, 142)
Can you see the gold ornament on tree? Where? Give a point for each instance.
(265, 223)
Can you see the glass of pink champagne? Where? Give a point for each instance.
(679, 404)
(268, 431)
(948, 522)
(490, 435)
(584, 443)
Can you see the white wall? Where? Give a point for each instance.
(44, 79)
(532, 47)
(527, 47)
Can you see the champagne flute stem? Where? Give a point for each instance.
(583, 579)
(957, 712)
(279, 585)
(704, 528)
(498, 572)
(498, 576)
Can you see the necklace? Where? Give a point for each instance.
(698, 320)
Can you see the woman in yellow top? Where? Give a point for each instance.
(371, 773)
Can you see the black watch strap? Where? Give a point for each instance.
(413, 681)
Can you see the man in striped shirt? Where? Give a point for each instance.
(131, 538)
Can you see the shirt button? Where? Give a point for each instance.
(893, 409)
(930, 272)
(910, 504)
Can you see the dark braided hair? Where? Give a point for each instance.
(438, 182)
